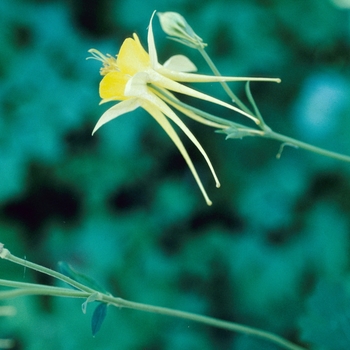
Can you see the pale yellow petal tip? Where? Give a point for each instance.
(207, 200)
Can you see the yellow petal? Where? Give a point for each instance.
(164, 123)
(170, 114)
(180, 63)
(137, 85)
(169, 98)
(153, 100)
(169, 84)
(117, 110)
(112, 85)
(132, 57)
(202, 78)
(151, 45)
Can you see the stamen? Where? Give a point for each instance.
(109, 62)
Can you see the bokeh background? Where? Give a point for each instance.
(122, 207)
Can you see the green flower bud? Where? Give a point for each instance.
(179, 30)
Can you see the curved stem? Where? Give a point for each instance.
(231, 326)
(225, 86)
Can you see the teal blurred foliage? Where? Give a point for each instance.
(122, 206)
(327, 318)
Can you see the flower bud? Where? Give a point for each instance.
(179, 30)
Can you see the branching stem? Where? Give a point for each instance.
(84, 292)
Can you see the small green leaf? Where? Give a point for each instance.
(68, 271)
(98, 317)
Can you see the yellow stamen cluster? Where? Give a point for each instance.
(109, 63)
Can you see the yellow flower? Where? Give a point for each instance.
(137, 79)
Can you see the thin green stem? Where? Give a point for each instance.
(225, 86)
(296, 143)
(5, 254)
(268, 133)
(35, 289)
(42, 290)
(210, 321)
(262, 124)
(30, 289)
(243, 130)
(24, 288)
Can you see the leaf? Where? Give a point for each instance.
(68, 271)
(98, 317)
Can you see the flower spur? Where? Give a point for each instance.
(137, 79)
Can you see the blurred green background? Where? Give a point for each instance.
(122, 207)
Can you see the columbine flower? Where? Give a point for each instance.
(137, 79)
